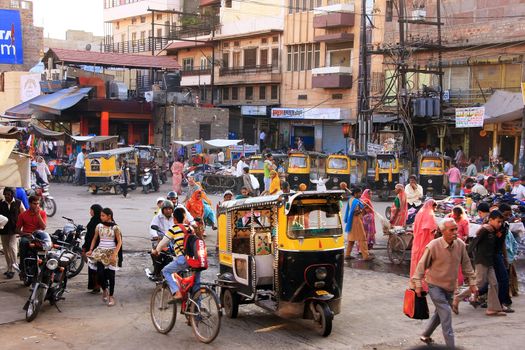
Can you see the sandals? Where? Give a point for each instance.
(105, 295)
(111, 301)
(426, 340)
(495, 313)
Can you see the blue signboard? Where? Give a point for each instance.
(11, 48)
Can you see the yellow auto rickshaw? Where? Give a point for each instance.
(305, 166)
(103, 169)
(337, 170)
(431, 170)
(257, 165)
(284, 254)
(386, 174)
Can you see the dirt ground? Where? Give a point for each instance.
(371, 316)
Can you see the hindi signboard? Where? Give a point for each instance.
(470, 117)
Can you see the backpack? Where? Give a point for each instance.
(195, 251)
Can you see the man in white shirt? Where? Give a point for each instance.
(519, 191)
(262, 139)
(240, 166)
(79, 167)
(414, 192)
(164, 220)
(479, 188)
(508, 168)
(220, 157)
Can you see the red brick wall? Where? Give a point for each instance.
(32, 36)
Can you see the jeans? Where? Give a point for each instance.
(442, 300)
(178, 264)
(453, 186)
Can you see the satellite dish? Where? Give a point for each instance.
(88, 47)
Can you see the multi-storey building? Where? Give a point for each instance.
(483, 52)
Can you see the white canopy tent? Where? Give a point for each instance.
(215, 143)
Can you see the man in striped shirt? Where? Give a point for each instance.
(175, 235)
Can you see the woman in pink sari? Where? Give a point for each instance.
(368, 218)
(177, 170)
(424, 229)
(399, 210)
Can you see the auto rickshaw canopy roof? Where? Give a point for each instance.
(111, 152)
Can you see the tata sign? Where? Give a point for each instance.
(11, 48)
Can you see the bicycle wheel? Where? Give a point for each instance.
(396, 249)
(163, 315)
(205, 315)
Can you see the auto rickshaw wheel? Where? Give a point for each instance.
(396, 249)
(230, 302)
(323, 319)
(118, 189)
(94, 190)
(388, 212)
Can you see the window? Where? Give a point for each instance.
(236, 44)
(225, 93)
(275, 57)
(302, 56)
(302, 97)
(289, 60)
(142, 19)
(262, 92)
(317, 55)
(250, 58)
(235, 93)
(225, 59)
(143, 37)
(159, 32)
(117, 25)
(264, 57)
(228, 3)
(310, 221)
(236, 59)
(248, 91)
(264, 41)
(159, 17)
(134, 39)
(290, 6)
(275, 39)
(122, 37)
(389, 10)
(274, 92)
(226, 44)
(296, 58)
(133, 20)
(337, 96)
(187, 64)
(309, 57)
(204, 62)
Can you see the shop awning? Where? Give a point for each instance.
(56, 102)
(503, 106)
(186, 143)
(221, 143)
(94, 139)
(45, 134)
(21, 111)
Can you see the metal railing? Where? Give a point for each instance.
(249, 69)
(135, 46)
(187, 71)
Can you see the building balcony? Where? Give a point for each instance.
(335, 38)
(194, 71)
(333, 16)
(256, 74)
(332, 77)
(135, 46)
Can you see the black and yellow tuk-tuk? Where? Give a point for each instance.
(359, 165)
(303, 166)
(337, 170)
(284, 254)
(386, 174)
(103, 169)
(257, 165)
(148, 155)
(431, 170)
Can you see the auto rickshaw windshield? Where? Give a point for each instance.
(431, 163)
(337, 163)
(297, 162)
(386, 163)
(257, 164)
(310, 221)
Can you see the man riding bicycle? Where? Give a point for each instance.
(176, 235)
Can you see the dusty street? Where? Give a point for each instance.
(371, 316)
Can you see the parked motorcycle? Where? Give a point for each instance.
(149, 181)
(47, 202)
(50, 275)
(70, 238)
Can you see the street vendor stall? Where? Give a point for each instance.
(96, 143)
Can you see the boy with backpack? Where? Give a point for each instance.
(189, 252)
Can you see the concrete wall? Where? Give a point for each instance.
(33, 37)
(10, 97)
(75, 40)
(252, 16)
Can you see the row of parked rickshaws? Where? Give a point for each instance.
(379, 172)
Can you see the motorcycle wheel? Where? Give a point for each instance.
(76, 265)
(35, 303)
(50, 207)
(145, 189)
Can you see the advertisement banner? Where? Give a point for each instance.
(308, 113)
(253, 110)
(29, 86)
(470, 117)
(11, 48)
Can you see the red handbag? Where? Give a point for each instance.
(415, 307)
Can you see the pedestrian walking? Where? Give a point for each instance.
(267, 167)
(399, 209)
(424, 230)
(439, 267)
(105, 256)
(454, 178)
(369, 221)
(247, 181)
(42, 169)
(461, 220)
(94, 211)
(354, 227)
(10, 208)
(262, 140)
(484, 248)
(79, 168)
(177, 170)
(124, 178)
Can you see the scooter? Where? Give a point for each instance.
(148, 181)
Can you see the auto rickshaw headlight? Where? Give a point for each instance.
(296, 178)
(321, 273)
(336, 180)
(429, 181)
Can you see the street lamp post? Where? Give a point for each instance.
(346, 133)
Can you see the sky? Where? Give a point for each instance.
(57, 16)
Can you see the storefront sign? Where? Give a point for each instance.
(11, 48)
(374, 148)
(253, 110)
(29, 86)
(470, 117)
(308, 113)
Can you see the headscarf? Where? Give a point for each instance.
(195, 206)
(500, 184)
(402, 216)
(353, 203)
(365, 198)
(275, 184)
(425, 217)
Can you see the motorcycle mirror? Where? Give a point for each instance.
(155, 227)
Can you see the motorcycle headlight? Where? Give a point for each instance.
(52, 264)
(321, 273)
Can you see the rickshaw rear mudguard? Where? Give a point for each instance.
(296, 179)
(287, 309)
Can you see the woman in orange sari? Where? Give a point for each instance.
(196, 209)
(424, 229)
(399, 210)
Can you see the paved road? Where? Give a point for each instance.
(371, 317)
